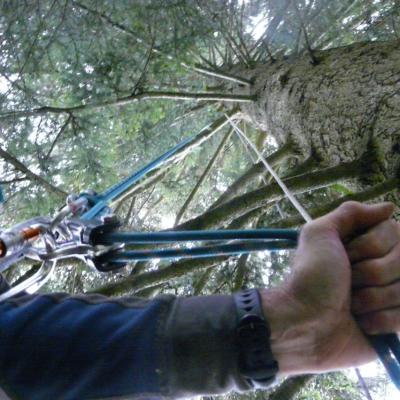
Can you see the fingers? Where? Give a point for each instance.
(377, 309)
(352, 217)
(381, 322)
(378, 271)
(375, 243)
(373, 299)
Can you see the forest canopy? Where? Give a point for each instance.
(90, 91)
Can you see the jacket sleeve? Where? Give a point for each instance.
(93, 347)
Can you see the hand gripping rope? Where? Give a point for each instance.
(386, 346)
(86, 229)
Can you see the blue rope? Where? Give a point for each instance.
(2, 199)
(382, 344)
(238, 248)
(114, 191)
(182, 236)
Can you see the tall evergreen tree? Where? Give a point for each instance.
(91, 90)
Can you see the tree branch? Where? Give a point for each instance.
(182, 267)
(362, 383)
(369, 194)
(151, 278)
(253, 172)
(201, 137)
(151, 179)
(237, 206)
(220, 74)
(203, 177)
(290, 387)
(129, 213)
(149, 292)
(196, 68)
(10, 181)
(272, 26)
(63, 128)
(239, 98)
(202, 281)
(31, 175)
(314, 60)
(240, 272)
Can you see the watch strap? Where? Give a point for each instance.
(256, 361)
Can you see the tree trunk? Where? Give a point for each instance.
(346, 104)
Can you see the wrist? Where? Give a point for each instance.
(293, 332)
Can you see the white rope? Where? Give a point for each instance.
(254, 160)
(278, 180)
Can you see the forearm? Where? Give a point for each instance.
(204, 348)
(57, 346)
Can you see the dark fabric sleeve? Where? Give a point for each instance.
(92, 347)
(204, 353)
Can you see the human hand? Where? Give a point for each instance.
(375, 259)
(312, 325)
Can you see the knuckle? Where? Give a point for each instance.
(378, 322)
(311, 229)
(389, 232)
(394, 226)
(392, 294)
(349, 206)
(381, 322)
(372, 298)
(374, 273)
(373, 244)
(370, 325)
(367, 299)
(396, 252)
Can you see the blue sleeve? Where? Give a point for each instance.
(62, 347)
(84, 347)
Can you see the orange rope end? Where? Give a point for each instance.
(30, 233)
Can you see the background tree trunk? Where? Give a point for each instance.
(346, 104)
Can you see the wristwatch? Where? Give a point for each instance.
(256, 361)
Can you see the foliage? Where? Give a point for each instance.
(61, 59)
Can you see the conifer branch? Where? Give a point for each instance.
(366, 195)
(202, 178)
(122, 101)
(223, 75)
(59, 134)
(18, 165)
(290, 387)
(240, 272)
(196, 68)
(232, 209)
(202, 281)
(201, 137)
(253, 172)
(272, 27)
(182, 267)
(151, 278)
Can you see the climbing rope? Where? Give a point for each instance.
(278, 180)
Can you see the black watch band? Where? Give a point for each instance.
(256, 362)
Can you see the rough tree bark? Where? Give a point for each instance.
(337, 109)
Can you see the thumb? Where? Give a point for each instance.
(353, 217)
